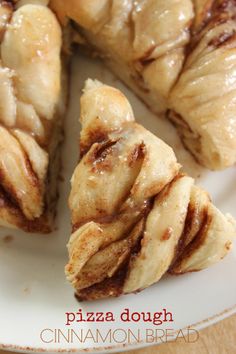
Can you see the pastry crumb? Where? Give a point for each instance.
(8, 238)
(26, 290)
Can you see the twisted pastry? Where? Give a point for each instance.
(31, 107)
(142, 41)
(203, 101)
(135, 216)
(146, 42)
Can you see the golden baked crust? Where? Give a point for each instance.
(203, 101)
(135, 216)
(146, 43)
(31, 108)
(142, 41)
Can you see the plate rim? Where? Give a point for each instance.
(121, 347)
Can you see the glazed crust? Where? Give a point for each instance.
(135, 216)
(143, 42)
(178, 56)
(30, 113)
(203, 101)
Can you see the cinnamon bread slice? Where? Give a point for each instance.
(135, 216)
(32, 104)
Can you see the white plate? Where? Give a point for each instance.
(35, 295)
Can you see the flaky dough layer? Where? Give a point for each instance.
(31, 110)
(135, 216)
(177, 55)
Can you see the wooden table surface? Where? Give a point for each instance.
(217, 339)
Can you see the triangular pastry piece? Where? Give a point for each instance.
(135, 216)
(177, 55)
(31, 107)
